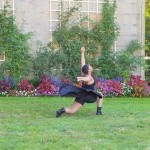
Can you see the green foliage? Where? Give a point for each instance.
(147, 72)
(121, 63)
(13, 44)
(147, 28)
(98, 42)
(127, 62)
(106, 30)
(45, 61)
(70, 39)
(105, 33)
(147, 38)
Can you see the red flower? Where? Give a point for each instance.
(24, 85)
(45, 87)
(139, 86)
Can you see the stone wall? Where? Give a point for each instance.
(34, 16)
(131, 19)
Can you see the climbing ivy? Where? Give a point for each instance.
(70, 35)
(13, 44)
(70, 39)
(99, 43)
(106, 30)
(97, 40)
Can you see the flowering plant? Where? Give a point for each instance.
(148, 91)
(24, 85)
(12, 92)
(45, 87)
(110, 88)
(138, 85)
(127, 90)
(3, 94)
(25, 89)
(4, 87)
(26, 93)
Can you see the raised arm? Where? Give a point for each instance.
(86, 79)
(82, 56)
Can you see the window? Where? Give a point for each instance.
(90, 8)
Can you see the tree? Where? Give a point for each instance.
(147, 28)
(13, 44)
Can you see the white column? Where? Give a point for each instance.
(13, 9)
(88, 13)
(50, 18)
(115, 44)
(2, 4)
(97, 6)
(142, 33)
(69, 4)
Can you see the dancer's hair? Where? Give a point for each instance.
(85, 69)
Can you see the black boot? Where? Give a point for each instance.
(59, 112)
(99, 112)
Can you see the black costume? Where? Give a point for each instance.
(86, 93)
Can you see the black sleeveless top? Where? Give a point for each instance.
(86, 86)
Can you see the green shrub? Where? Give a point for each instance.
(71, 37)
(147, 72)
(121, 63)
(45, 61)
(98, 42)
(14, 45)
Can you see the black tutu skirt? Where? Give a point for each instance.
(82, 95)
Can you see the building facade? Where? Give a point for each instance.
(41, 18)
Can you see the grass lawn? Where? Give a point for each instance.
(30, 124)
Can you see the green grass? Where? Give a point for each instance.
(30, 124)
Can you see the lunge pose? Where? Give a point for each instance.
(85, 94)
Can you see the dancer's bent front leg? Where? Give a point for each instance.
(75, 107)
(70, 110)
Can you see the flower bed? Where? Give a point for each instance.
(134, 87)
(49, 86)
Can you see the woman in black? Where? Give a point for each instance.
(85, 94)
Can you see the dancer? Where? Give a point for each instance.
(85, 94)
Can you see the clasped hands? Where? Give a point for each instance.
(82, 49)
